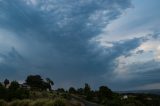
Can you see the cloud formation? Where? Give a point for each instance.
(61, 39)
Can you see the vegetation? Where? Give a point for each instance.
(36, 91)
(37, 83)
(106, 97)
(50, 83)
(6, 82)
(38, 102)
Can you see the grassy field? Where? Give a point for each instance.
(39, 102)
(44, 98)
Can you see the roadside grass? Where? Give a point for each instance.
(38, 102)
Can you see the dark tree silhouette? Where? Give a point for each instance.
(80, 91)
(87, 91)
(6, 82)
(87, 88)
(2, 92)
(104, 92)
(35, 81)
(61, 90)
(50, 83)
(72, 90)
(1, 85)
(14, 85)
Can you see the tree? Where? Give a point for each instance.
(104, 92)
(16, 92)
(87, 88)
(3, 92)
(35, 82)
(6, 82)
(72, 90)
(1, 85)
(14, 85)
(80, 91)
(61, 90)
(50, 82)
(87, 91)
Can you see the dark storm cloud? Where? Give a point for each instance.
(57, 38)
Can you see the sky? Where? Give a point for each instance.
(100, 42)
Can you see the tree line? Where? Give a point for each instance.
(100, 96)
(12, 90)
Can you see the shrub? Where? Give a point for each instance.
(50, 103)
(59, 102)
(3, 103)
(24, 103)
(78, 104)
(14, 103)
(3, 92)
(39, 102)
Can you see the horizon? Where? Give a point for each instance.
(99, 42)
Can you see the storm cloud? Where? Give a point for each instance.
(59, 39)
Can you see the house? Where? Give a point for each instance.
(125, 97)
(25, 86)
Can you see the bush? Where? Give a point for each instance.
(50, 103)
(15, 103)
(3, 103)
(3, 92)
(24, 103)
(59, 102)
(65, 95)
(39, 102)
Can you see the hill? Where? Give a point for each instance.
(150, 91)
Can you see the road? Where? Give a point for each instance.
(86, 103)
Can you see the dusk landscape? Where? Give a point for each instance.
(79, 53)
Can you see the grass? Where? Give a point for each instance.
(38, 102)
(3, 103)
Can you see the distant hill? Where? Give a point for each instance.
(151, 91)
